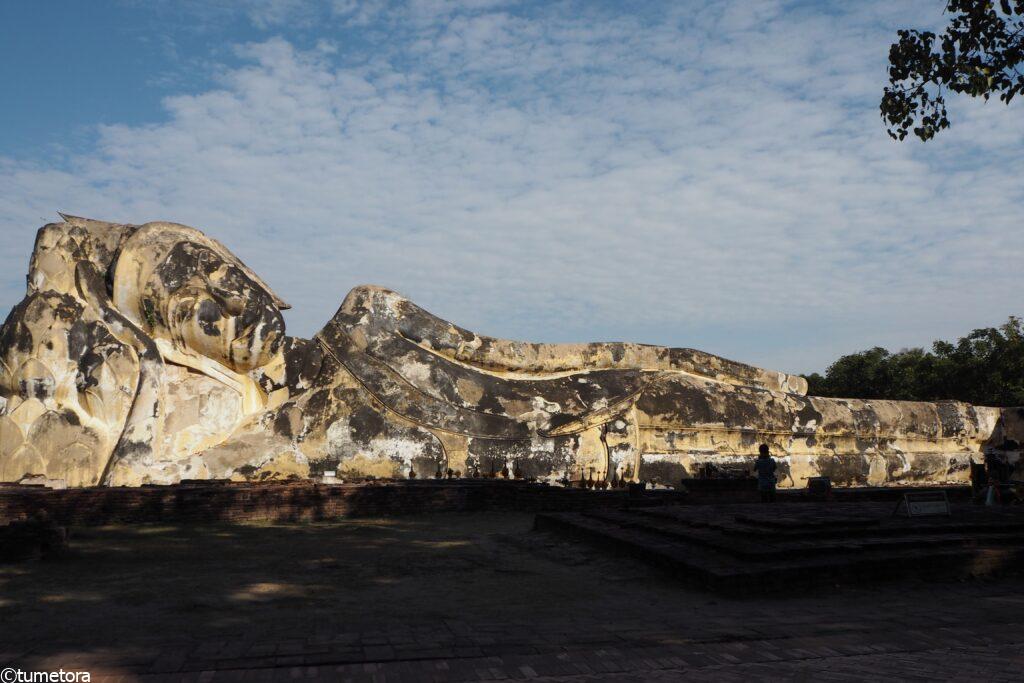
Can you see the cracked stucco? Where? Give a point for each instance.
(151, 354)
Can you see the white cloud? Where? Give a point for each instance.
(715, 178)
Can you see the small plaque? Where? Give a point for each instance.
(928, 507)
(926, 504)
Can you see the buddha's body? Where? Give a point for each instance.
(151, 354)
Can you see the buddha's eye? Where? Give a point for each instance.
(207, 261)
(229, 302)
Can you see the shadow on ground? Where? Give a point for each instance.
(408, 588)
(123, 585)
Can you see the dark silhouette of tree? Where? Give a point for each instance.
(978, 55)
(985, 368)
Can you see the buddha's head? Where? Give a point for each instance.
(182, 286)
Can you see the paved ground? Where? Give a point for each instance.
(466, 597)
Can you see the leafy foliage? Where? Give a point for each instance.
(978, 55)
(985, 368)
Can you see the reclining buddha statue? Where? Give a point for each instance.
(149, 354)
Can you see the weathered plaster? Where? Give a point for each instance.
(151, 354)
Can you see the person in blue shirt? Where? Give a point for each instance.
(765, 467)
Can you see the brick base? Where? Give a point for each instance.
(300, 501)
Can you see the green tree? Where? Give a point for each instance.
(977, 55)
(985, 368)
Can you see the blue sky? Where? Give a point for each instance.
(712, 175)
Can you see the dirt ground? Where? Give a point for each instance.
(464, 597)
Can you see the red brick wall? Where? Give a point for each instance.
(299, 501)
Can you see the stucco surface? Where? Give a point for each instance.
(151, 354)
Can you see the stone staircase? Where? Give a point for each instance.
(786, 548)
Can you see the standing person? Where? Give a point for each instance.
(765, 466)
(997, 473)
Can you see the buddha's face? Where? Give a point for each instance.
(211, 307)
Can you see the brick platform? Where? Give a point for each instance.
(302, 501)
(744, 490)
(311, 501)
(762, 549)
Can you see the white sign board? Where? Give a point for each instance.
(928, 507)
(925, 504)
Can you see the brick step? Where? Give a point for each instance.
(801, 522)
(770, 548)
(735, 526)
(710, 568)
(736, 529)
